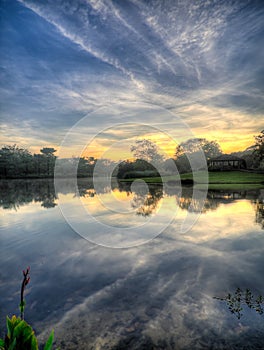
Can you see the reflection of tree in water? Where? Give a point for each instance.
(217, 197)
(226, 196)
(16, 193)
(124, 187)
(146, 204)
(259, 209)
(185, 201)
(91, 192)
(48, 203)
(236, 301)
(88, 193)
(196, 204)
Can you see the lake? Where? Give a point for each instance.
(165, 290)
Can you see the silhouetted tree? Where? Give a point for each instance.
(124, 168)
(49, 158)
(210, 148)
(137, 169)
(86, 166)
(259, 149)
(146, 150)
(14, 161)
(18, 162)
(192, 147)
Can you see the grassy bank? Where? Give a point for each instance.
(225, 179)
(235, 177)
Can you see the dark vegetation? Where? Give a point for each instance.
(136, 169)
(17, 162)
(236, 302)
(20, 335)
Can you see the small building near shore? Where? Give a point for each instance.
(226, 162)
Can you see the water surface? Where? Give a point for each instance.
(159, 295)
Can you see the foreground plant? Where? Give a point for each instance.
(20, 335)
(235, 302)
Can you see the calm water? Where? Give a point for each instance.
(159, 295)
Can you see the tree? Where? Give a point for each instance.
(194, 146)
(48, 153)
(169, 166)
(15, 161)
(124, 168)
(211, 149)
(86, 166)
(146, 150)
(18, 162)
(258, 152)
(183, 165)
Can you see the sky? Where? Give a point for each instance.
(180, 68)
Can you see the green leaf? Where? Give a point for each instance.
(19, 329)
(13, 344)
(24, 331)
(10, 325)
(34, 343)
(49, 342)
(29, 334)
(2, 344)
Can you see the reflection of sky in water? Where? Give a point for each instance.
(159, 293)
(227, 221)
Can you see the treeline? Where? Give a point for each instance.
(135, 169)
(147, 155)
(17, 162)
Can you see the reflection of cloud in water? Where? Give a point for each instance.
(227, 221)
(157, 295)
(161, 301)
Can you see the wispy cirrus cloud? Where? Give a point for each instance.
(61, 60)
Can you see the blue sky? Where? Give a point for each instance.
(62, 60)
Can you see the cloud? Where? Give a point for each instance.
(83, 41)
(61, 60)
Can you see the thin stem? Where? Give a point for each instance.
(25, 281)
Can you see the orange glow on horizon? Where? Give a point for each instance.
(229, 142)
